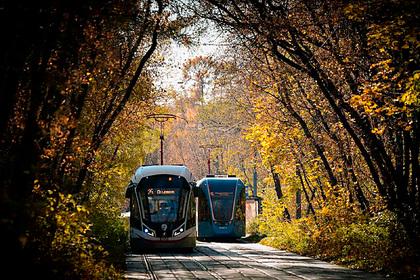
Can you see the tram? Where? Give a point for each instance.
(162, 208)
(221, 207)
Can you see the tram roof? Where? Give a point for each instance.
(150, 170)
(219, 178)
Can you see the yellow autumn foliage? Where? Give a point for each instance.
(67, 243)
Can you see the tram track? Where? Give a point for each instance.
(199, 264)
(205, 268)
(218, 261)
(253, 260)
(209, 253)
(149, 269)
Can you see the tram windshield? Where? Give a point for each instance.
(222, 194)
(163, 198)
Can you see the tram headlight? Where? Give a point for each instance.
(148, 231)
(178, 231)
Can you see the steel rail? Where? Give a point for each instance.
(149, 268)
(263, 264)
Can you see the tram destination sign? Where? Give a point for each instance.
(156, 191)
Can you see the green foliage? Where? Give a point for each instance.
(252, 227)
(64, 241)
(253, 233)
(115, 162)
(293, 236)
(361, 244)
(111, 232)
(106, 201)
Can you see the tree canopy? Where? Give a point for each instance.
(320, 99)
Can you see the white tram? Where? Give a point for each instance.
(162, 208)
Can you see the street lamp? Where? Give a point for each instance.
(161, 119)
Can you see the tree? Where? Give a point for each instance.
(326, 44)
(68, 71)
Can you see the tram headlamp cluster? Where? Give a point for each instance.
(179, 231)
(148, 231)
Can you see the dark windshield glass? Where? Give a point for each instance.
(163, 198)
(222, 194)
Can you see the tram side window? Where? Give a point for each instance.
(145, 202)
(134, 209)
(183, 196)
(240, 207)
(203, 207)
(191, 212)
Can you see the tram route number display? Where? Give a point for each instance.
(220, 194)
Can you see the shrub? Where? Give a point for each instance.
(377, 243)
(63, 239)
(293, 236)
(252, 227)
(111, 232)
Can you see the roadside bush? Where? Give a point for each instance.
(106, 200)
(363, 245)
(378, 243)
(253, 232)
(111, 232)
(293, 236)
(64, 241)
(252, 227)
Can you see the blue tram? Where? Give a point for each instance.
(162, 208)
(221, 207)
